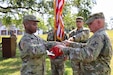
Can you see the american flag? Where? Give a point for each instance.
(58, 23)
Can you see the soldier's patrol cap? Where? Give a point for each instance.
(30, 18)
(92, 17)
(80, 17)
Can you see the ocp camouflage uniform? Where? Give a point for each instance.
(33, 53)
(80, 36)
(95, 56)
(57, 64)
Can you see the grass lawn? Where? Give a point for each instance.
(11, 66)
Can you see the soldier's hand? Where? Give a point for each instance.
(71, 39)
(50, 53)
(60, 47)
(60, 43)
(67, 42)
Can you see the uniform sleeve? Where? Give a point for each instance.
(77, 45)
(71, 33)
(31, 49)
(81, 37)
(65, 36)
(88, 53)
(50, 44)
(50, 36)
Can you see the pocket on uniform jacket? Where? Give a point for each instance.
(97, 69)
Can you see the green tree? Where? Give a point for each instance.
(50, 23)
(84, 7)
(69, 21)
(41, 25)
(6, 21)
(15, 9)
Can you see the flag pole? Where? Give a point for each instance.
(54, 20)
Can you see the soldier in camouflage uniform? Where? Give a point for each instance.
(97, 53)
(81, 35)
(33, 48)
(57, 64)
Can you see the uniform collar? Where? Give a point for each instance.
(79, 29)
(29, 35)
(102, 29)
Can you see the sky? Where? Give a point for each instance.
(105, 6)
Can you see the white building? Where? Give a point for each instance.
(6, 31)
(39, 32)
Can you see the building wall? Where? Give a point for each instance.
(6, 32)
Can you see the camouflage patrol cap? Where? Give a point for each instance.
(80, 17)
(95, 16)
(30, 18)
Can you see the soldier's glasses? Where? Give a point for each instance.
(79, 21)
